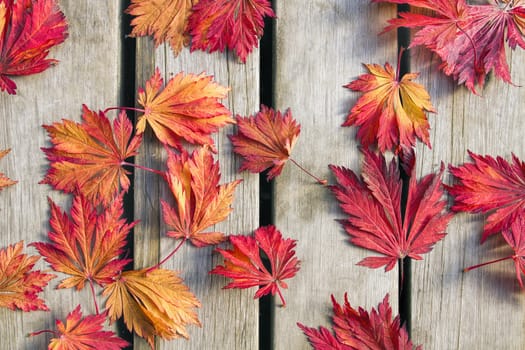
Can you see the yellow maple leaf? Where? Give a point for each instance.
(4, 180)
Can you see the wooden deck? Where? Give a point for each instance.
(318, 46)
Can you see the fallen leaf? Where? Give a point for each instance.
(392, 110)
(87, 245)
(83, 334)
(373, 205)
(152, 303)
(166, 20)
(265, 140)
(244, 264)
(28, 30)
(4, 180)
(186, 108)
(233, 24)
(88, 157)
(490, 185)
(359, 329)
(19, 283)
(200, 201)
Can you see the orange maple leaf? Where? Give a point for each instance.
(187, 108)
(200, 201)
(28, 29)
(265, 140)
(86, 246)
(88, 158)
(152, 303)
(391, 111)
(83, 333)
(4, 180)
(166, 20)
(19, 284)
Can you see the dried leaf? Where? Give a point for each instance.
(187, 108)
(244, 264)
(358, 329)
(490, 185)
(391, 111)
(265, 140)
(28, 30)
(166, 20)
(86, 245)
(200, 201)
(152, 303)
(373, 204)
(19, 284)
(4, 180)
(88, 157)
(233, 24)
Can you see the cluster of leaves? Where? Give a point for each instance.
(214, 25)
(28, 30)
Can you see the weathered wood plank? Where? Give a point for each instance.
(229, 318)
(320, 46)
(481, 309)
(88, 72)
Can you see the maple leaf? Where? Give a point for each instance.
(28, 30)
(153, 302)
(19, 284)
(187, 108)
(391, 111)
(265, 140)
(166, 20)
(4, 180)
(373, 204)
(83, 333)
(86, 245)
(515, 237)
(490, 185)
(88, 157)
(244, 265)
(469, 39)
(200, 201)
(359, 329)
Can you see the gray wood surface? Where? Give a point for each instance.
(320, 46)
(88, 73)
(229, 317)
(484, 308)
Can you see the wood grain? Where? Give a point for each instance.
(89, 73)
(319, 47)
(481, 309)
(229, 318)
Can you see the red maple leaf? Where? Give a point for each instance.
(86, 245)
(83, 333)
(233, 24)
(265, 140)
(469, 39)
(28, 29)
(515, 237)
(19, 283)
(490, 185)
(392, 110)
(200, 201)
(245, 266)
(359, 329)
(373, 204)
(88, 157)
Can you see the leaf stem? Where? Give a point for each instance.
(168, 256)
(92, 287)
(32, 334)
(486, 263)
(138, 166)
(319, 181)
(133, 109)
(281, 296)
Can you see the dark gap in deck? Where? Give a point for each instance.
(127, 99)
(405, 268)
(266, 200)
